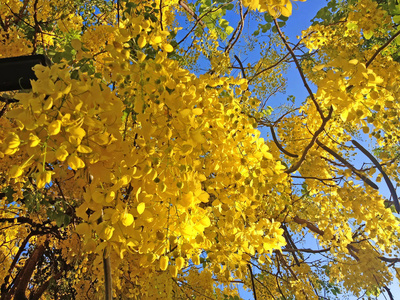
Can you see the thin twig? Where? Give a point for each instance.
(389, 292)
(279, 145)
(198, 20)
(191, 12)
(252, 281)
(161, 16)
(306, 250)
(238, 29)
(378, 166)
(347, 164)
(299, 69)
(241, 66)
(381, 48)
(275, 64)
(309, 146)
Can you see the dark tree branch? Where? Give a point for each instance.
(37, 27)
(290, 242)
(379, 167)
(21, 282)
(275, 64)
(279, 145)
(14, 262)
(309, 146)
(191, 12)
(309, 225)
(241, 66)
(389, 260)
(382, 48)
(306, 250)
(299, 69)
(161, 16)
(389, 292)
(347, 164)
(252, 281)
(198, 20)
(238, 31)
(43, 287)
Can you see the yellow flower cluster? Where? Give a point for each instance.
(274, 7)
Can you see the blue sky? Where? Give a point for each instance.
(303, 12)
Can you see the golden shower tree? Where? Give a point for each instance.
(134, 167)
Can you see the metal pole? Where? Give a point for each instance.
(16, 72)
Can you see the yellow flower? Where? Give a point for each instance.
(164, 262)
(61, 153)
(42, 178)
(75, 162)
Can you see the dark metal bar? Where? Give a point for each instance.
(16, 72)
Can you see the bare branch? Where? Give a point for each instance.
(389, 292)
(275, 64)
(381, 48)
(379, 167)
(309, 225)
(347, 164)
(309, 146)
(252, 281)
(191, 12)
(238, 31)
(14, 262)
(306, 250)
(279, 145)
(198, 20)
(241, 66)
(299, 69)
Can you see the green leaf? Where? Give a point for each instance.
(368, 34)
(283, 18)
(229, 30)
(223, 23)
(265, 27)
(230, 6)
(60, 220)
(394, 7)
(8, 193)
(352, 26)
(131, 5)
(268, 18)
(323, 13)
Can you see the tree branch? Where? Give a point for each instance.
(238, 29)
(381, 48)
(252, 281)
(299, 69)
(309, 225)
(309, 146)
(198, 20)
(241, 66)
(191, 12)
(347, 164)
(379, 167)
(14, 262)
(306, 250)
(279, 145)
